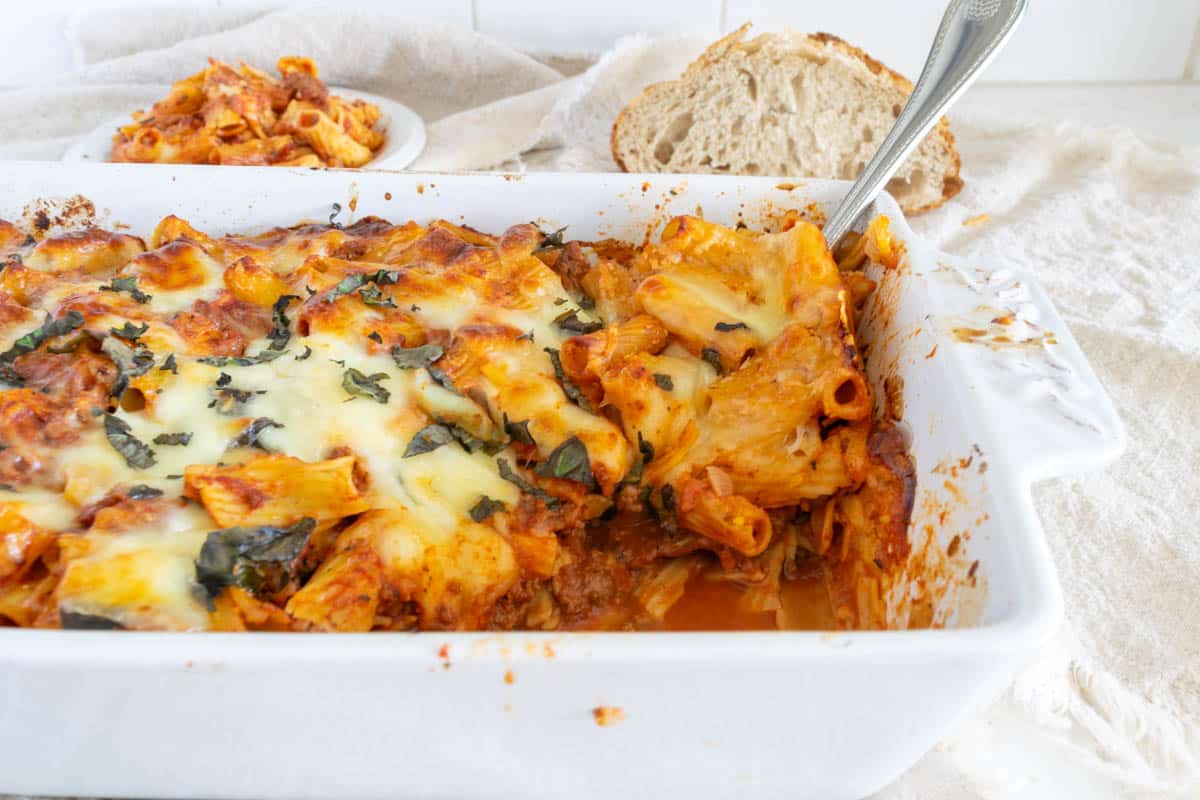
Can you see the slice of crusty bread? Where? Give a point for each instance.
(785, 105)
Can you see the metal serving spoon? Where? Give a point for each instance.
(971, 34)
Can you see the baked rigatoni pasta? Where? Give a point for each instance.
(428, 427)
(241, 115)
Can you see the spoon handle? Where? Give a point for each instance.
(970, 35)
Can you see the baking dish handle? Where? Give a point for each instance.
(1053, 415)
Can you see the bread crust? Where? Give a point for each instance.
(952, 182)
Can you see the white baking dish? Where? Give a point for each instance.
(798, 715)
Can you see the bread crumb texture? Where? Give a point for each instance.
(785, 105)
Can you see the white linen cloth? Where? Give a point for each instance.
(1109, 223)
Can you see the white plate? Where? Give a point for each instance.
(404, 129)
(805, 715)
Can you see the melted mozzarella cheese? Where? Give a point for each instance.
(142, 578)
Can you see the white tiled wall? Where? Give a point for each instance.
(1061, 40)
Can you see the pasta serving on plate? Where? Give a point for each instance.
(427, 427)
(241, 115)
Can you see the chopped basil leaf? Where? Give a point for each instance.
(224, 379)
(130, 332)
(35, 339)
(514, 477)
(645, 448)
(241, 361)
(251, 558)
(334, 210)
(668, 498)
(360, 385)
(585, 302)
(307, 352)
(571, 323)
(442, 379)
(713, 358)
(550, 241)
(730, 326)
(568, 461)
(169, 365)
(249, 435)
(558, 301)
(572, 391)
(375, 337)
(528, 335)
(281, 327)
(351, 283)
(416, 357)
(634, 475)
(519, 431)
(181, 439)
(485, 508)
(664, 382)
(127, 285)
(74, 620)
(131, 362)
(229, 400)
(143, 492)
(137, 454)
(372, 296)
(428, 439)
(473, 444)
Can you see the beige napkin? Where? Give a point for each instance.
(1109, 223)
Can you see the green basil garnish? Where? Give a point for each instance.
(550, 241)
(512, 476)
(249, 435)
(137, 454)
(572, 391)
(664, 382)
(416, 357)
(128, 285)
(252, 558)
(372, 296)
(131, 362)
(571, 323)
(174, 439)
(264, 357)
(359, 385)
(35, 339)
(281, 326)
(645, 448)
(351, 283)
(485, 508)
(74, 620)
(568, 461)
(130, 332)
(428, 439)
(518, 431)
(713, 358)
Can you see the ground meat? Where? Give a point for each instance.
(303, 86)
